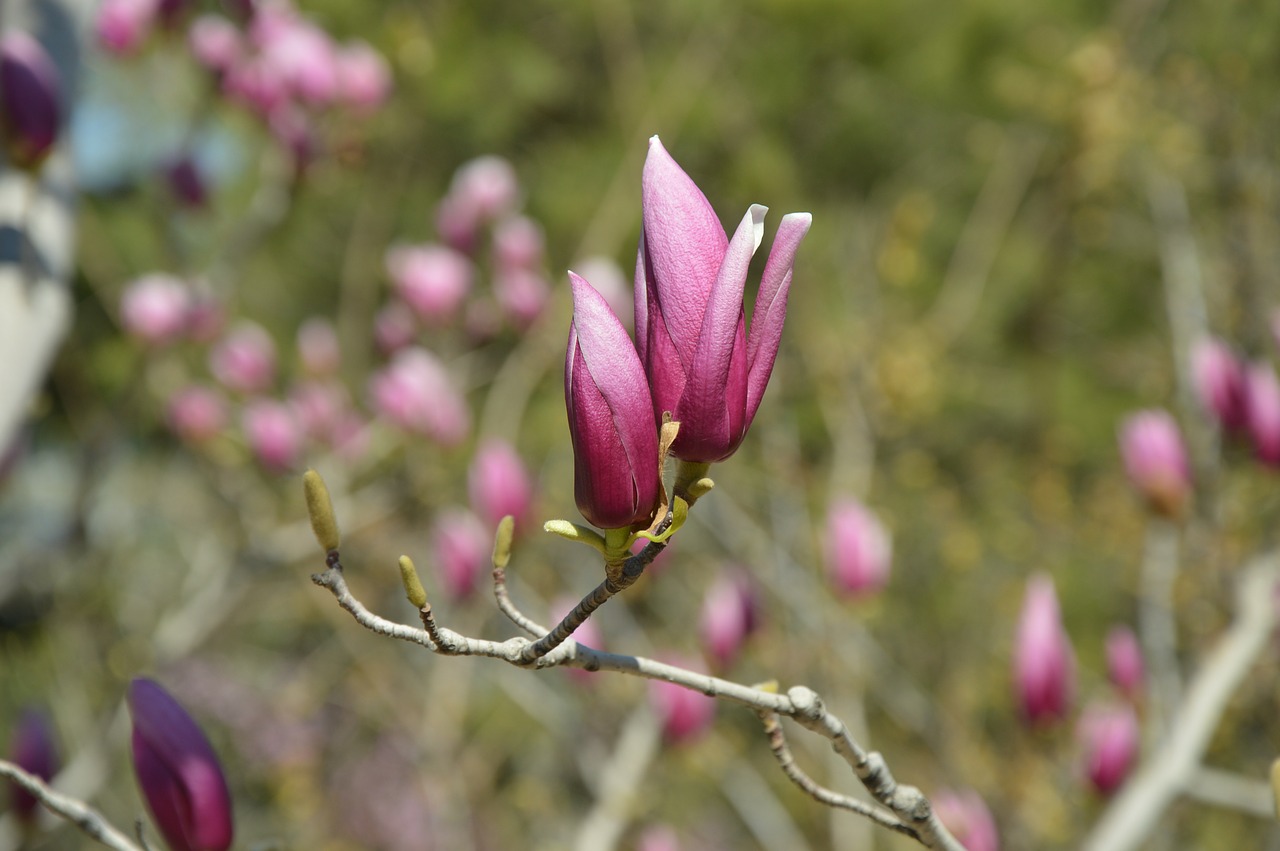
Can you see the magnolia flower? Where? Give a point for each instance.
(702, 364)
(1156, 461)
(197, 414)
(364, 78)
(1262, 405)
(859, 549)
(1124, 661)
(178, 772)
(730, 613)
(122, 25)
(1109, 739)
(416, 393)
(685, 714)
(1219, 380)
(156, 309)
(498, 483)
(31, 99)
(245, 359)
(32, 749)
(214, 42)
(615, 443)
(462, 549)
(318, 346)
(273, 433)
(432, 279)
(1044, 664)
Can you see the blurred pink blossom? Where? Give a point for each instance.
(685, 714)
(318, 347)
(965, 814)
(273, 434)
(364, 78)
(498, 483)
(859, 550)
(658, 837)
(431, 279)
(730, 613)
(206, 319)
(156, 309)
(1124, 661)
(255, 83)
(1044, 666)
(304, 57)
(1156, 461)
(1219, 380)
(215, 42)
(245, 359)
(319, 407)
(1108, 735)
(197, 413)
(518, 243)
(482, 190)
(1262, 395)
(415, 393)
(522, 294)
(394, 327)
(122, 25)
(462, 548)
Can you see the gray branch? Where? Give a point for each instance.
(90, 821)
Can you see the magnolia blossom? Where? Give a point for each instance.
(1156, 461)
(197, 414)
(273, 434)
(364, 78)
(415, 393)
(1109, 737)
(462, 547)
(1262, 395)
(1044, 666)
(498, 482)
(482, 190)
(702, 364)
(245, 359)
(431, 279)
(658, 837)
(859, 550)
(1219, 381)
(730, 613)
(32, 749)
(518, 243)
(122, 25)
(318, 347)
(966, 815)
(522, 294)
(31, 99)
(156, 309)
(1124, 661)
(215, 42)
(616, 479)
(685, 714)
(178, 772)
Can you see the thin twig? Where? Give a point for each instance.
(1157, 626)
(90, 821)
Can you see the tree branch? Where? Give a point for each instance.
(90, 821)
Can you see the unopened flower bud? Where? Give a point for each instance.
(245, 359)
(1262, 404)
(1124, 661)
(859, 550)
(498, 482)
(685, 714)
(1044, 663)
(730, 613)
(966, 815)
(197, 414)
(31, 100)
(416, 393)
(462, 548)
(32, 749)
(1108, 737)
(273, 434)
(431, 279)
(1219, 381)
(1156, 461)
(156, 309)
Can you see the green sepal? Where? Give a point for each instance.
(575, 532)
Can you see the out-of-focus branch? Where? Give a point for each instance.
(1232, 792)
(1140, 806)
(619, 781)
(1157, 626)
(913, 813)
(90, 821)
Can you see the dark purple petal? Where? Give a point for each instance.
(30, 98)
(32, 749)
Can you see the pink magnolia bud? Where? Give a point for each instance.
(1262, 395)
(522, 294)
(273, 434)
(1044, 666)
(215, 43)
(1219, 380)
(462, 547)
(305, 58)
(255, 83)
(186, 184)
(965, 814)
(178, 772)
(319, 407)
(730, 613)
(156, 309)
(197, 414)
(498, 483)
(1154, 457)
(122, 25)
(487, 186)
(415, 393)
(859, 550)
(658, 837)
(32, 749)
(364, 78)
(431, 279)
(703, 364)
(394, 328)
(318, 347)
(518, 243)
(31, 100)
(245, 359)
(616, 479)
(685, 714)
(1108, 737)
(1124, 661)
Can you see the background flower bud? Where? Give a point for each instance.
(31, 748)
(273, 434)
(462, 547)
(415, 393)
(1156, 461)
(431, 279)
(1124, 662)
(1262, 404)
(156, 309)
(1044, 663)
(122, 25)
(31, 99)
(685, 714)
(1219, 381)
(859, 550)
(498, 483)
(966, 815)
(318, 347)
(364, 78)
(730, 613)
(1108, 735)
(178, 772)
(245, 359)
(197, 414)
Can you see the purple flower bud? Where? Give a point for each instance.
(32, 749)
(462, 552)
(691, 333)
(431, 279)
(156, 309)
(178, 772)
(31, 99)
(965, 814)
(415, 393)
(616, 479)
(245, 359)
(122, 25)
(364, 78)
(1124, 662)
(1262, 403)
(1108, 735)
(859, 550)
(197, 414)
(1219, 380)
(1154, 457)
(685, 714)
(186, 184)
(482, 190)
(318, 347)
(273, 434)
(498, 483)
(730, 613)
(1044, 669)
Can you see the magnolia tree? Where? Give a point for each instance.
(662, 382)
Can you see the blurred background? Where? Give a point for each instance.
(1024, 217)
